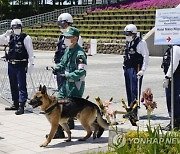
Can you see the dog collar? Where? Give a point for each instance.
(51, 108)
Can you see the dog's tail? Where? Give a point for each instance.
(101, 121)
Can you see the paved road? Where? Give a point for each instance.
(24, 134)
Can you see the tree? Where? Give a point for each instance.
(4, 7)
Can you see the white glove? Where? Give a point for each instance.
(140, 73)
(30, 68)
(8, 32)
(165, 83)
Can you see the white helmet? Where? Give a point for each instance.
(16, 23)
(130, 29)
(64, 18)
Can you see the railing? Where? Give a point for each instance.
(47, 17)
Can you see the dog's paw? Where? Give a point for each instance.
(94, 137)
(68, 140)
(81, 139)
(44, 144)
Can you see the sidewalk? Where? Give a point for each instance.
(23, 134)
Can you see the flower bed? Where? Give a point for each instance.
(139, 4)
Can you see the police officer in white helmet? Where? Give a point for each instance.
(135, 62)
(19, 55)
(167, 66)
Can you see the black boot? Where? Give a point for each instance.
(177, 124)
(71, 123)
(14, 106)
(20, 109)
(59, 133)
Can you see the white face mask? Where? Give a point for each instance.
(17, 31)
(129, 38)
(63, 30)
(67, 42)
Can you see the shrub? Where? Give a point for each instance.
(139, 4)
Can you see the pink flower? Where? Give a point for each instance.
(140, 4)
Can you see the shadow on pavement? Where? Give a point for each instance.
(90, 140)
(154, 117)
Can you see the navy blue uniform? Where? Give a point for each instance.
(57, 58)
(132, 64)
(17, 57)
(135, 61)
(176, 75)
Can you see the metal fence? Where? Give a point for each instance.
(39, 76)
(47, 17)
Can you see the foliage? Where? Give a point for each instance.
(152, 141)
(4, 7)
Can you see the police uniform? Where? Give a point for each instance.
(57, 57)
(59, 54)
(19, 54)
(74, 63)
(176, 76)
(135, 59)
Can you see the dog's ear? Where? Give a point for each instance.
(40, 87)
(44, 90)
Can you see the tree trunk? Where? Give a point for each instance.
(76, 2)
(54, 3)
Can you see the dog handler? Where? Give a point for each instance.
(19, 54)
(65, 20)
(74, 62)
(135, 62)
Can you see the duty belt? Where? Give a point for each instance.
(14, 61)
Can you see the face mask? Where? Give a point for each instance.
(63, 30)
(67, 42)
(129, 38)
(17, 31)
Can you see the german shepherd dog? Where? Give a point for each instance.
(59, 111)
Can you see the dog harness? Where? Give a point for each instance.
(57, 104)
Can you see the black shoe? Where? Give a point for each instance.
(12, 107)
(20, 110)
(100, 132)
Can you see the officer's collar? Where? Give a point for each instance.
(132, 42)
(74, 48)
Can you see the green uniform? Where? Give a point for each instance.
(74, 63)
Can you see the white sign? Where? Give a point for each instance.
(167, 26)
(93, 46)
